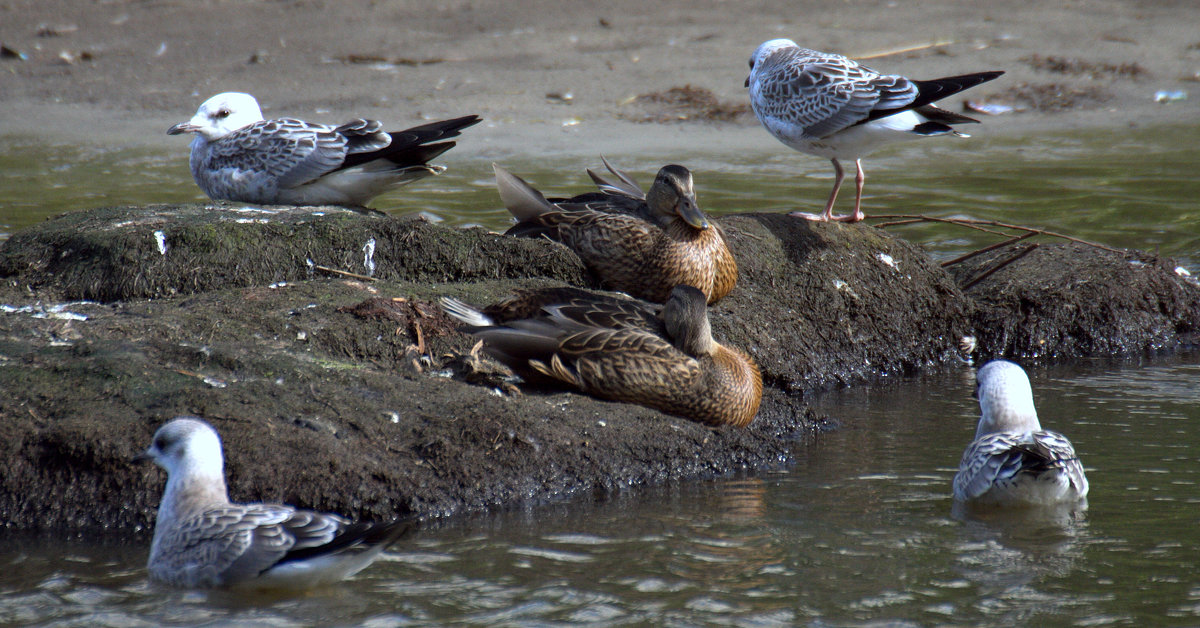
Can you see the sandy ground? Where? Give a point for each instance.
(558, 77)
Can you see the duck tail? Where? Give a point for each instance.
(465, 313)
(519, 197)
(623, 186)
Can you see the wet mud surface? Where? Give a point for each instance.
(338, 384)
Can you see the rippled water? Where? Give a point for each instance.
(861, 531)
(1136, 190)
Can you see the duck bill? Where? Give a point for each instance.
(183, 127)
(690, 212)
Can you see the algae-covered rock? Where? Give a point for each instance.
(1070, 300)
(357, 395)
(120, 253)
(821, 304)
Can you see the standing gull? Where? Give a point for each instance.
(203, 540)
(239, 156)
(826, 105)
(1013, 460)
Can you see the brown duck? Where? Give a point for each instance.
(643, 244)
(619, 349)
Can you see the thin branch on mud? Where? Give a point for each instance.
(988, 273)
(343, 273)
(998, 245)
(971, 223)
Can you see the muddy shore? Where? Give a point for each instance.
(358, 396)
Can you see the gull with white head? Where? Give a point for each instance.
(203, 540)
(827, 105)
(239, 156)
(1012, 459)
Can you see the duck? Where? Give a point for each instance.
(643, 244)
(202, 540)
(1013, 461)
(662, 357)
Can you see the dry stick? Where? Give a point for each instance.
(343, 273)
(971, 223)
(907, 49)
(988, 273)
(953, 221)
(998, 245)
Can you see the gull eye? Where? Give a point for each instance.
(222, 113)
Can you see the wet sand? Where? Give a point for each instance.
(562, 77)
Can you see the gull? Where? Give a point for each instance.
(827, 105)
(239, 156)
(203, 540)
(1013, 460)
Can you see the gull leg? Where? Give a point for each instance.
(838, 176)
(859, 180)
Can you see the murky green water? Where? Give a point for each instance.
(862, 531)
(1139, 189)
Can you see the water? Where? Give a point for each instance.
(861, 531)
(1136, 190)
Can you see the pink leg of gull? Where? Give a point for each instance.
(859, 180)
(838, 176)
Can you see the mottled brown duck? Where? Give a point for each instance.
(643, 244)
(661, 357)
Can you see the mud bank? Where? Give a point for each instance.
(309, 338)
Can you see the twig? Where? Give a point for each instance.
(908, 220)
(343, 273)
(998, 245)
(888, 53)
(972, 223)
(988, 273)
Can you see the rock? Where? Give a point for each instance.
(1068, 300)
(339, 393)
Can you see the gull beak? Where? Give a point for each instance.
(747, 81)
(142, 457)
(690, 212)
(183, 127)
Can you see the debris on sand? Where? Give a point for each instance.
(687, 103)
(1044, 98)
(1082, 67)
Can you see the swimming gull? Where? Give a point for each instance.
(827, 105)
(1013, 460)
(239, 156)
(202, 540)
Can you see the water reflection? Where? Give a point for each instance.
(861, 531)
